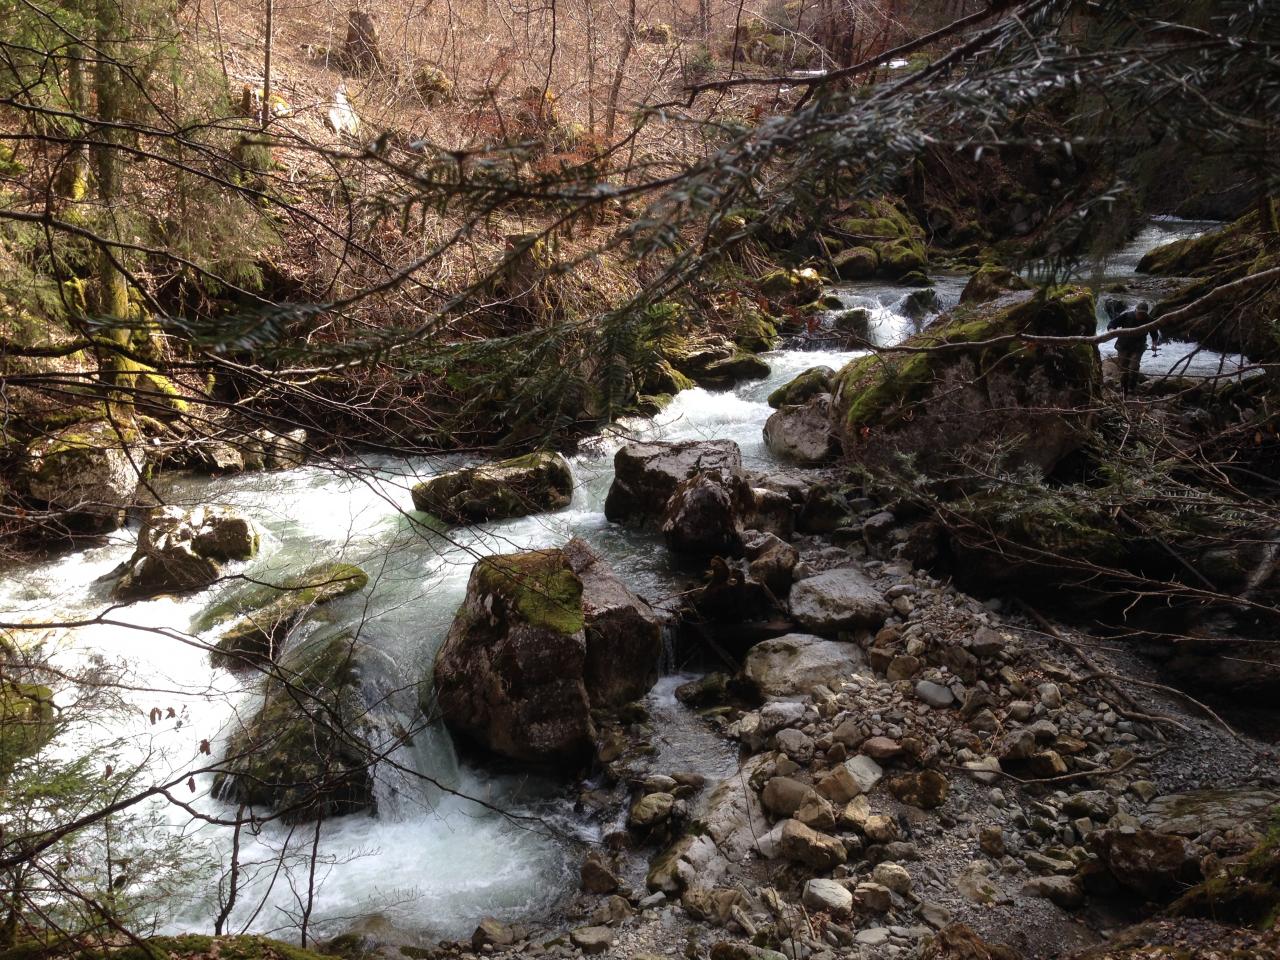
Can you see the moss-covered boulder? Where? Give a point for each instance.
(90, 471)
(264, 613)
(968, 383)
(878, 239)
(312, 747)
(1244, 891)
(991, 281)
(1245, 320)
(541, 640)
(183, 550)
(534, 483)
(716, 364)
(26, 722)
(813, 381)
(790, 287)
(723, 374)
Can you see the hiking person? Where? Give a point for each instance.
(1131, 346)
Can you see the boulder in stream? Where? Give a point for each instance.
(703, 515)
(263, 613)
(802, 433)
(311, 748)
(183, 550)
(534, 483)
(647, 474)
(542, 639)
(813, 381)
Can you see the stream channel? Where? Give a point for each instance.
(430, 862)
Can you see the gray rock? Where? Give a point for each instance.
(802, 433)
(840, 599)
(827, 896)
(646, 474)
(935, 694)
(794, 664)
(865, 772)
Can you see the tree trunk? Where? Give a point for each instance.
(615, 91)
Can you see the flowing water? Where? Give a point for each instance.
(431, 861)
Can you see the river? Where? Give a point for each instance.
(430, 862)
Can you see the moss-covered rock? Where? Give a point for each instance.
(1246, 321)
(542, 639)
(790, 287)
(311, 749)
(813, 381)
(878, 239)
(534, 483)
(89, 470)
(723, 374)
(1245, 891)
(974, 385)
(992, 280)
(264, 613)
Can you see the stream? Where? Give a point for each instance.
(431, 862)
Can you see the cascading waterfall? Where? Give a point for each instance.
(432, 860)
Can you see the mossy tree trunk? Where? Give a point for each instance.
(112, 286)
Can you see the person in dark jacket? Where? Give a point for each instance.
(1131, 346)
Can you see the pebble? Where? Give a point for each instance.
(935, 694)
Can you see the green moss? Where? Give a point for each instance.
(267, 612)
(813, 381)
(539, 584)
(517, 487)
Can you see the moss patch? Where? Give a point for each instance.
(539, 584)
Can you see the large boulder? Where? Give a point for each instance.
(311, 749)
(646, 474)
(802, 433)
(262, 614)
(792, 665)
(703, 516)
(840, 599)
(88, 470)
(535, 483)
(541, 640)
(182, 550)
(974, 386)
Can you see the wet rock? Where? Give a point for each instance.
(770, 512)
(772, 562)
(796, 663)
(311, 749)
(703, 516)
(536, 646)
(597, 875)
(991, 281)
(827, 896)
(801, 433)
(493, 933)
(706, 691)
(263, 613)
(840, 599)
(535, 483)
(646, 474)
(651, 810)
(183, 550)
(812, 382)
(926, 790)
